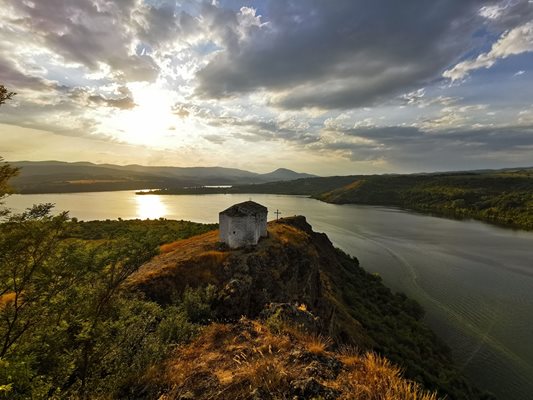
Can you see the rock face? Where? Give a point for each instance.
(292, 314)
(310, 388)
(284, 268)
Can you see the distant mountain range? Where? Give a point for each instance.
(57, 176)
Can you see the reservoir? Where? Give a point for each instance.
(474, 280)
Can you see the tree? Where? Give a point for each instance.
(65, 321)
(5, 94)
(6, 171)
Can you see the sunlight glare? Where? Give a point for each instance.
(148, 123)
(150, 207)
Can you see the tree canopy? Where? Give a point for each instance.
(5, 94)
(6, 171)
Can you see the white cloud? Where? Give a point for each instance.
(492, 12)
(414, 97)
(525, 117)
(451, 117)
(516, 41)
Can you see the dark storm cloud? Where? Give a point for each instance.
(482, 139)
(410, 144)
(157, 25)
(509, 14)
(343, 54)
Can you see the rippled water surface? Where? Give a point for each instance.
(474, 280)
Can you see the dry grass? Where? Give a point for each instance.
(190, 262)
(7, 299)
(318, 344)
(311, 342)
(336, 193)
(230, 361)
(198, 261)
(285, 234)
(169, 247)
(213, 258)
(372, 377)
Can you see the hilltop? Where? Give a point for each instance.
(61, 177)
(293, 278)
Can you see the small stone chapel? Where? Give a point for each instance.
(243, 224)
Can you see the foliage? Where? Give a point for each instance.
(156, 231)
(6, 173)
(68, 329)
(197, 304)
(5, 94)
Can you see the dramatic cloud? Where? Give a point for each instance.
(413, 148)
(87, 32)
(327, 87)
(516, 41)
(312, 54)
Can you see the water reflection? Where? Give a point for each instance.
(150, 207)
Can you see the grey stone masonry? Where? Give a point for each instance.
(243, 224)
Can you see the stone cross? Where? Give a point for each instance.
(277, 214)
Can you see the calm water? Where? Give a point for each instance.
(474, 280)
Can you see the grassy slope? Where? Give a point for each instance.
(367, 314)
(249, 360)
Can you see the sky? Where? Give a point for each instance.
(325, 87)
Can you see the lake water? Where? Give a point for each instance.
(474, 280)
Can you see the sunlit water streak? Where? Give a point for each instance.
(474, 280)
(150, 207)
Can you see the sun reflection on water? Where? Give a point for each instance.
(150, 207)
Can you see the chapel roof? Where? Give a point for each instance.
(244, 209)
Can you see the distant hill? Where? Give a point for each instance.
(283, 174)
(57, 177)
(503, 197)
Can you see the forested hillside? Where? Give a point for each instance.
(503, 197)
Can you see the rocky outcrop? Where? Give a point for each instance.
(295, 277)
(284, 268)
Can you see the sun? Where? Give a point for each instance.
(151, 122)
